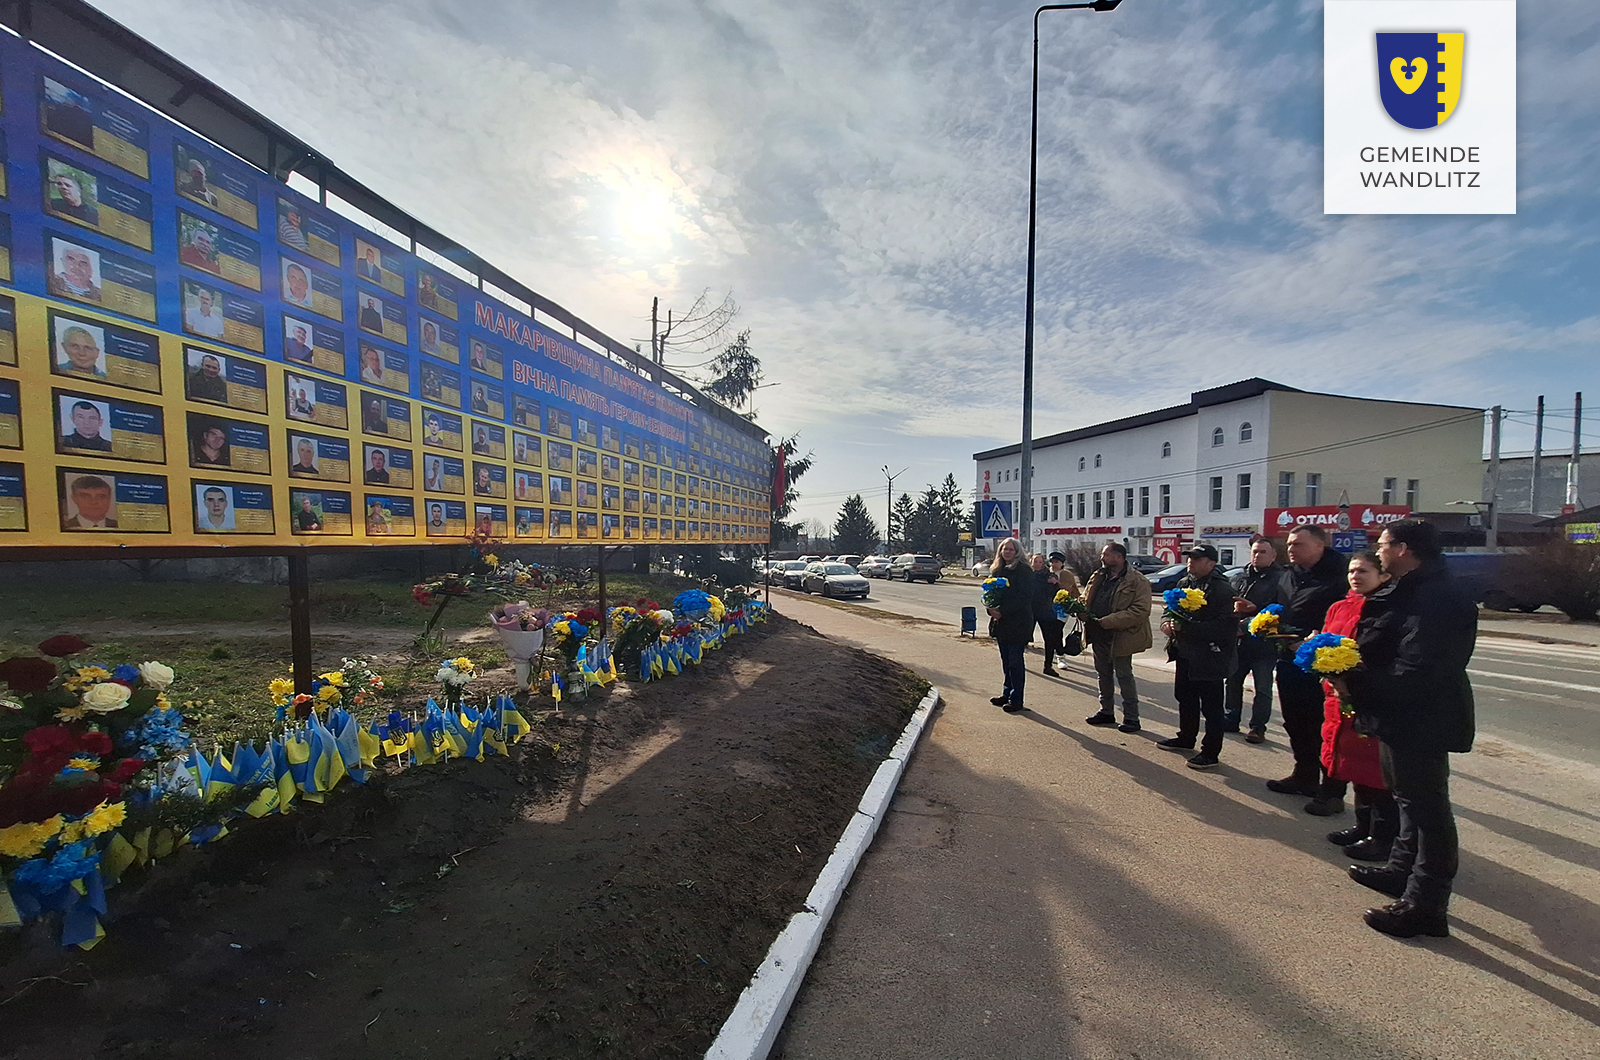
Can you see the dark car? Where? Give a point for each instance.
(1167, 577)
(834, 579)
(1147, 565)
(911, 567)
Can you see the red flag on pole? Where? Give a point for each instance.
(779, 479)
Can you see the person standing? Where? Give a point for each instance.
(1347, 755)
(1045, 584)
(1202, 646)
(1412, 693)
(1064, 579)
(1011, 622)
(1314, 580)
(1118, 628)
(1254, 587)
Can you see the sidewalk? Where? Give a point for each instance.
(1551, 626)
(1045, 889)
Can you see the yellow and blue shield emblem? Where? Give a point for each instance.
(1419, 76)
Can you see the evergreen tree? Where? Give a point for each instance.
(854, 531)
(899, 516)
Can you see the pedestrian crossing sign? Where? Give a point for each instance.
(996, 518)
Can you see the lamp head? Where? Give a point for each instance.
(1106, 5)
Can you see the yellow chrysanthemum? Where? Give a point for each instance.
(1193, 600)
(1264, 623)
(327, 693)
(1063, 597)
(335, 678)
(281, 687)
(27, 839)
(83, 762)
(462, 664)
(72, 713)
(162, 702)
(492, 560)
(105, 817)
(717, 608)
(523, 577)
(1337, 660)
(72, 831)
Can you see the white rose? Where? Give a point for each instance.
(157, 675)
(105, 697)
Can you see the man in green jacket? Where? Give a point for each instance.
(1118, 628)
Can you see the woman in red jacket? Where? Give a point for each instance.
(1346, 754)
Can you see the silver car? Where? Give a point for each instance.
(834, 579)
(874, 567)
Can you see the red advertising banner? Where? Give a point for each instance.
(1279, 521)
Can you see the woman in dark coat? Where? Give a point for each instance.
(1346, 754)
(1045, 586)
(1011, 622)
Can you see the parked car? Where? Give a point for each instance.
(854, 561)
(1167, 577)
(912, 567)
(1147, 565)
(794, 571)
(779, 575)
(833, 579)
(873, 567)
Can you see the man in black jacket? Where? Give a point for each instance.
(1254, 587)
(1314, 580)
(1202, 645)
(1411, 691)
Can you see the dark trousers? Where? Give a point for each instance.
(1108, 667)
(1300, 698)
(1257, 663)
(1050, 629)
(1427, 846)
(1013, 664)
(1382, 816)
(1197, 699)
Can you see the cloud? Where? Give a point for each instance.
(857, 174)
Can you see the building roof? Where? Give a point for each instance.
(1220, 395)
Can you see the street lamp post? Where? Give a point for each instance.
(1025, 502)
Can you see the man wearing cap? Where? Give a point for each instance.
(1202, 644)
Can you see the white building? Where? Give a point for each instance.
(1219, 467)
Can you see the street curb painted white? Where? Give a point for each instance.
(752, 1027)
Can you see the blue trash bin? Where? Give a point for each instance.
(969, 621)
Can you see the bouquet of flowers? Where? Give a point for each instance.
(1329, 655)
(352, 685)
(520, 628)
(693, 603)
(1181, 604)
(992, 588)
(1267, 621)
(454, 675)
(1068, 606)
(567, 635)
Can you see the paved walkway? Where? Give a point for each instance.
(1045, 889)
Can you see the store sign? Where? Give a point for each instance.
(1087, 530)
(1585, 532)
(1357, 516)
(1172, 524)
(1229, 531)
(1168, 547)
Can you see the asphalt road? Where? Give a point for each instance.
(1541, 696)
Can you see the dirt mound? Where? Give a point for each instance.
(606, 892)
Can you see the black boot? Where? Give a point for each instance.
(1356, 832)
(1385, 823)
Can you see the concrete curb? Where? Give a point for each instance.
(752, 1027)
(1536, 638)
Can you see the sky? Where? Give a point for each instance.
(856, 173)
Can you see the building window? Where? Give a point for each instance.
(1080, 506)
(1246, 432)
(1097, 504)
(1244, 492)
(1081, 463)
(1127, 503)
(1413, 493)
(1144, 500)
(1217, 437)
(1313, 489)
(1286, 489)
(1166, 499)
(1227, 557)
(1097, 460)
(1388, 490)
(1055, 509)
(1166, 450)
(1216, 493)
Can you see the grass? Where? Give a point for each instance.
(223, 673)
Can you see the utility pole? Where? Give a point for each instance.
(1491, 536)
(655, 348)
(1577, 450)
(888, 509)
(1538, 456)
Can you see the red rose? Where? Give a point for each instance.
(26, 674)
(82, 798)
(588, 616)
(50, 738)
(96, 742)
(61, 646)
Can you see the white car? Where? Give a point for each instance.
(874, 567)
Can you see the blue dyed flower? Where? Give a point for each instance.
(125, 672)
(691, 602)
(72, 862)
